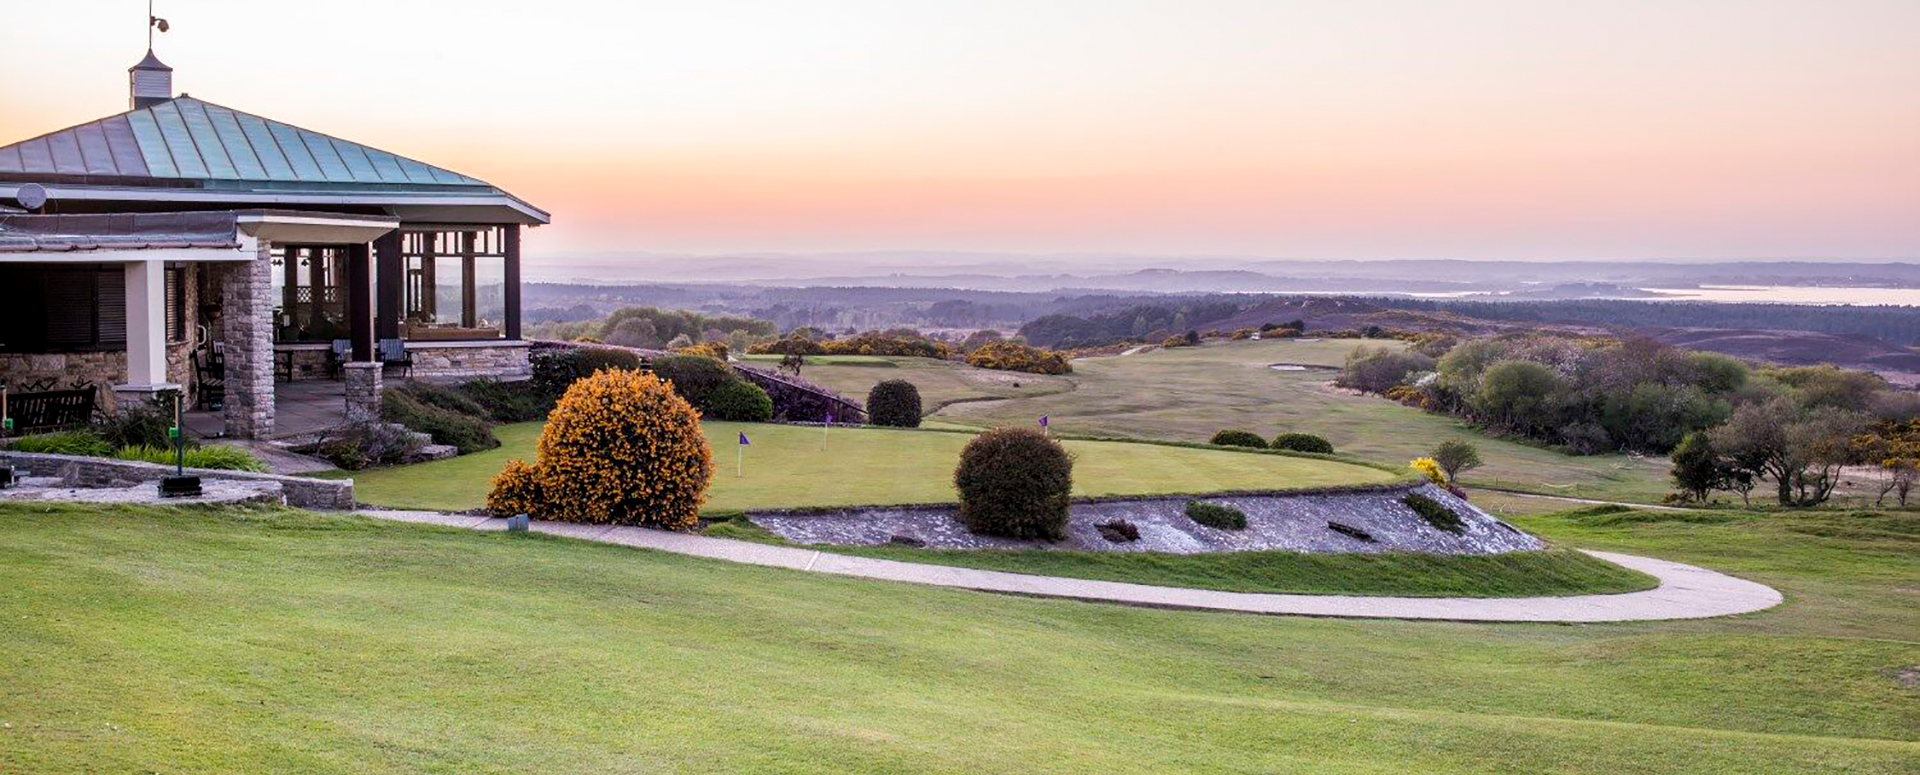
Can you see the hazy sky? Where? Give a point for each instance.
(1334, 129)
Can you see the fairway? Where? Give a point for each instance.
(198, 640)
(1187, 393)
(788, 466)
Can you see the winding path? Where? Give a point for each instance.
(1685, 591)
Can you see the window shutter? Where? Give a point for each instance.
(110, 294)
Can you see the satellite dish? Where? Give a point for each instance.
(31, 196)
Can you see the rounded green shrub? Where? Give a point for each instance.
(1216, 516)
(694, 377)
(1014, 482)
(739, 401)
(1302, 442)
(895, 403)
(1233, 438)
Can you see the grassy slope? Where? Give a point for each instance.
(182, 640)
(1188, 393)
(786, 467)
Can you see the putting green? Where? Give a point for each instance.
(787, 466)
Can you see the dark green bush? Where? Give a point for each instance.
(1437, 515)
(739, 401)
(1014, 482)
(1233, 438)
(518, 401)
(467, 433)
(555, 369)
(694, 377)
(1216, 516)
(445, 397)
(361, 444)
(1302, 442)
(894, 402)
(135, 426)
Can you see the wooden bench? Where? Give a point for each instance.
(50, 409)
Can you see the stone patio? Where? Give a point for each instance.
(300, 407)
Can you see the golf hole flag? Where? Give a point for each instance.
(740, 455)
(1043, 425)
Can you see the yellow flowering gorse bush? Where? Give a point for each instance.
(1429, 469)
(620, 447)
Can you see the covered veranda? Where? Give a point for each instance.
(180, 302)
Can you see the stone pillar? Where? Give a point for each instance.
(246, 298)
(363, 390)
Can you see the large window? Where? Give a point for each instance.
(63, 308)
(455, 282)
(310, 282)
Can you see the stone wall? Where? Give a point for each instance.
(507, 360)
(332, 494)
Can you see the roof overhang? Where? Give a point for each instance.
(500, 208)
(291, 227)
(128, 256)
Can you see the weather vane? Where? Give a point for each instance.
(153, 23)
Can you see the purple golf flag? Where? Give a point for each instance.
(1043, 421)
(743, 440)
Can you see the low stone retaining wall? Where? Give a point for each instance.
(505, 360)
(1358, 520)
(76, 471)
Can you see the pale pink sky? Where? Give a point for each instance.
(1362, 129)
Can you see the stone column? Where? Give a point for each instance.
(246, 298)
(363, 390)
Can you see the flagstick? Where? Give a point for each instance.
(739, 460)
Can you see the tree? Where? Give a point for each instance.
(1517, 395)
(1802, 451)
(1891, 450)
(1456, 457)
(1179, 320)
(1697, 468)
(634, 332)
(1193, 337)
(1378, 369)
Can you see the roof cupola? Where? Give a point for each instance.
(150, 82)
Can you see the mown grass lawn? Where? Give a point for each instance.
(185, 640)
(790, 466)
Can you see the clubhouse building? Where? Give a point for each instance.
(184, 245)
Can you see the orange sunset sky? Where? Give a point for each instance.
(1364, 129)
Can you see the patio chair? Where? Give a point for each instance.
(210, 375)
(337, 356)
(393, 354)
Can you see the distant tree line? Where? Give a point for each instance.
(1897, 325)
(1729, 426)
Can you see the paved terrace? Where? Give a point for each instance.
(300, 407)
(1685, 591)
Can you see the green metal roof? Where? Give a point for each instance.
(193, 140)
